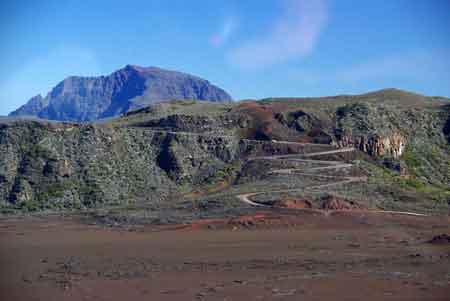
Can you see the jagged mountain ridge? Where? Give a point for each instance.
(132, 87)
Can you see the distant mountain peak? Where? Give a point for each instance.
(138, 68)
(78, 98)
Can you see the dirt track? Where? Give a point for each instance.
(299, 157)
(329, 165)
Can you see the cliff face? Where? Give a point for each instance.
(371, 129)
(446, 129)
(92, 98)
(393, 145)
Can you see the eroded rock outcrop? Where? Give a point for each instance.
(371, 129)
(375, 145)
(331, 202)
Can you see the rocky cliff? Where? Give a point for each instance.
(392, 145)
(92, 98)
(372, 129)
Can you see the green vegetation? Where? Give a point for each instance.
(411, 159)
(227, 173)
(397, 191)
(184, 102)
(34, 150)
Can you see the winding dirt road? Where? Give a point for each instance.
(298, 171)
(329, 165)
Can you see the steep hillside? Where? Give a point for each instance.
(92, 98)
(193, 151)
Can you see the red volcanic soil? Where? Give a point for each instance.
(268, 121)
(266, 256)
(244, 221)
(248, 220)
(293, 204)
(334, 203)
(261, 122)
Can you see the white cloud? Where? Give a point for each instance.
(40, 74)
(294, 34)
(228, 27)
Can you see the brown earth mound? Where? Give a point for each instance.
(259, 121)
(247, 220)
(293, 204)
(334, 203)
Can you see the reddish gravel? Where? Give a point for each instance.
(293, 204)
(334, 203)
(274, 255)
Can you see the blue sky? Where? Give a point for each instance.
(252, 48)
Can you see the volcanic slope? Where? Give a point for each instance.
(190, 158)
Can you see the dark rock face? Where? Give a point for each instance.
(440, 239)
(133, 87)
(446, 129)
